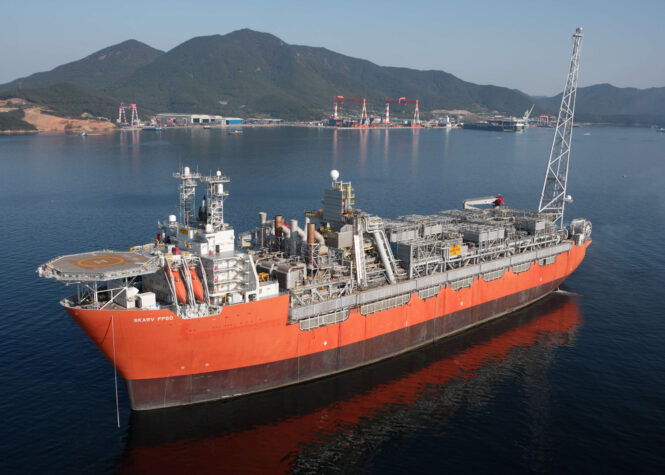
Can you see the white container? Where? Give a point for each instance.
(146, 300)
(127, 297)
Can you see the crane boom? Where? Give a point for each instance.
(553, 197)
(342, 99)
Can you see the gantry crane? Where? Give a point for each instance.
(364, 120)
(553, 198)
(122, 117)
(403, 101)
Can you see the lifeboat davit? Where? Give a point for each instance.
(179, 285)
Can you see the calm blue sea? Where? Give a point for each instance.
(573, 384)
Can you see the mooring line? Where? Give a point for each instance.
(115, 375)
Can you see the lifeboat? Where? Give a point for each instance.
(179, 285)
(197, 288)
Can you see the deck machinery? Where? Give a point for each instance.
(343, 257)
(343, 250)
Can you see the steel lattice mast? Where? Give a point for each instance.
(553, 197)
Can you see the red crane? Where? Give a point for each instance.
(392, 101)
(416, 113)
(122, 117)
(364, 120)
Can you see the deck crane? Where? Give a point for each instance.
(416, 113)
(391, 101)
(473, 203)
(553, 198)
(527, 115)
(364, 120)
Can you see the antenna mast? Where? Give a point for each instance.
(215, 199)
(187, 195)
(553, 197)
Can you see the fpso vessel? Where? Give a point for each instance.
(192, 317)
(196, 316)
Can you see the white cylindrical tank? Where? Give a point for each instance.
(334, 174)
(185, 171)
(172, 218)
(295, 229)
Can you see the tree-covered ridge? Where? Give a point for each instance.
(13, 120)
(103, 69)
(68, 100)
(607, 103)
(247, 73)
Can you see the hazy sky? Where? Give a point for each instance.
(519, 44)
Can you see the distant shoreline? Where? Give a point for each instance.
(95, 130)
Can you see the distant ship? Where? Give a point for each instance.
(498, 124)
(502, 124)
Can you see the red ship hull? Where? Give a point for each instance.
(218, 436)
(169, 361)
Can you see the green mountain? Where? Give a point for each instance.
(247, 73)
(610, 104)
(250, 73)
(105, 68)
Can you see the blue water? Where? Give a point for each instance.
(576, 383)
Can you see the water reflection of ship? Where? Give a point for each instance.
(313, 425)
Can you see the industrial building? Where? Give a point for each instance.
(173, 118)
(263, 121)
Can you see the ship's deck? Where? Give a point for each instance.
(99, 266)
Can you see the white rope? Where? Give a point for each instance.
(115, 375)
